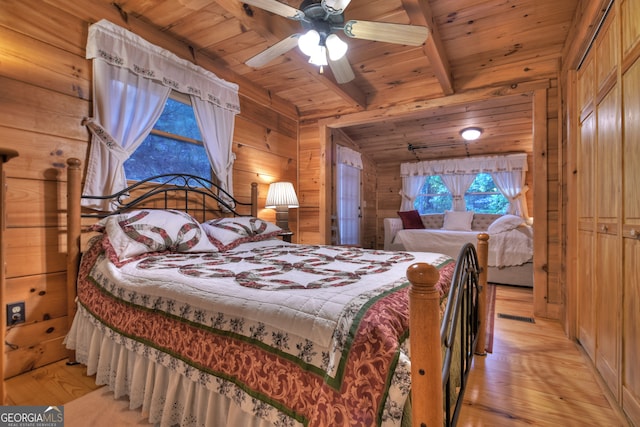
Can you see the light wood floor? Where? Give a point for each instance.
(535, 376)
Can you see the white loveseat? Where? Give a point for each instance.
(516, 241)
(480, 223)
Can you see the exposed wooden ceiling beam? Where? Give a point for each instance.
(420, 13)
(273, 31)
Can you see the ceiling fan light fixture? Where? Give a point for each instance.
(309, 42)
(337, 47)
(319, 56)
(471, 134)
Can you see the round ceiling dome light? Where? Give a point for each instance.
(471, 134)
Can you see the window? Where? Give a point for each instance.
(482, 196)
(434, 197)
(173, 146)
(348, 204)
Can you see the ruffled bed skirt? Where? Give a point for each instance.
(164, 394)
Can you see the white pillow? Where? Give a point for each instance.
(505, 223)
(140, 231)
(459, 221)
(227, 233)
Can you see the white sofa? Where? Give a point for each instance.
(449, 244)
(479, 223)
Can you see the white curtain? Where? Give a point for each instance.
(132, 80)
(511, 185)
(411, 186)
(458, 186)
(348, 195)
(216, 126)
(125, 108)
(466, 165)
(508, 174)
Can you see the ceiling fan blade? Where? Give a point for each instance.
(412, 35)
(271, 53)
(278, 8)
(335, 7)
(341, 70)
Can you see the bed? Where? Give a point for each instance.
(510, 258)
(255, 331)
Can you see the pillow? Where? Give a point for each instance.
(137, 232)
(459, 221)
(411, 219)
(227, 233)
(505, 223)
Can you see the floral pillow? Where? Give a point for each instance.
(137, 232)
(227, 233)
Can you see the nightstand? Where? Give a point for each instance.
(286, 236)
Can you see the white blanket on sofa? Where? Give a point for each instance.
(509, 248)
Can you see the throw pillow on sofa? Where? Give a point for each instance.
(505, 223)
(458, 221)
(411, 220)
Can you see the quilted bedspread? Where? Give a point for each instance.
(296, 334)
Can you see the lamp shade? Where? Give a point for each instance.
(281, 194)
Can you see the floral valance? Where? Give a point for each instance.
(118, 46)
(466, 165)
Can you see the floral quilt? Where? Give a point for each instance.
(295, 334)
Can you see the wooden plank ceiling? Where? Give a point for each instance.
(472, 45)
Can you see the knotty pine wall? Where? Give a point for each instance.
(45, 91)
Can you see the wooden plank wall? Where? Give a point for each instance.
(45, 91)
(548, 200)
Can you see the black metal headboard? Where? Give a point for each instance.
(179, 191)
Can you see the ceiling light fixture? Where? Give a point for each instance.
(471, 134)
(316, 46)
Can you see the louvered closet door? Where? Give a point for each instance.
(631, 209)
(608, 208)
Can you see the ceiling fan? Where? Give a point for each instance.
(320, 20)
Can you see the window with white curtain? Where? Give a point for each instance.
(493, 184)
(173, 146)
(348, 204)
(482, 196)
(348, 176)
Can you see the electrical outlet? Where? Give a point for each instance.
(15, 313)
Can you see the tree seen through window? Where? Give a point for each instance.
(173, 146)
(482, 196)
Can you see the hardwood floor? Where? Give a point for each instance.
(535, 376)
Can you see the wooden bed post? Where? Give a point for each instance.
(254, 199)
(73, 238)
(425, 352)
(483, 260)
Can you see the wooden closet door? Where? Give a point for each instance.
(586, 196)
(608, 207)
(631, 210)
(586, 237)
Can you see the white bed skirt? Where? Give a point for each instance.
(165, 395)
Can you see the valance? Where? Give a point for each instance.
(120, 47)
(466, 165)
(349, 157)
